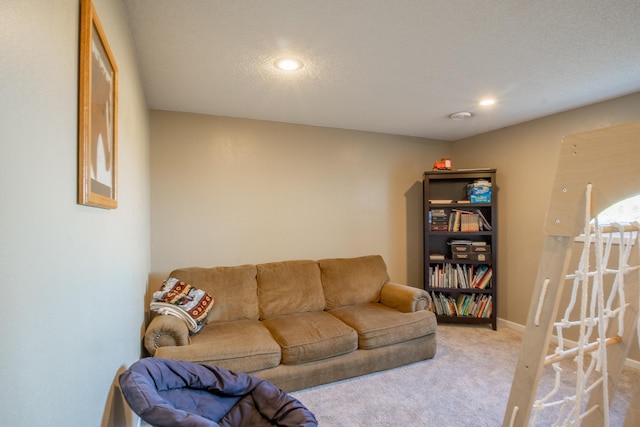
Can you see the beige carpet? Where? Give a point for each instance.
(466, 384)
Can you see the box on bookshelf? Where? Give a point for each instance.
(457, 248)
(471, 256)
(479, 191)
(481, 248)
(481, 257)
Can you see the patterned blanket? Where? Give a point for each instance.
(180, 299)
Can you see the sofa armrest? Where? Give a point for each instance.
(404, 298)
(163, 331)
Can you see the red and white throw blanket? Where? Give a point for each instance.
(180, 299)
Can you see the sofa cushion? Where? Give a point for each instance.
(311, 336)
(348, 281)
(289, 287)
(378, 325)
(241, 345)
(233, 288)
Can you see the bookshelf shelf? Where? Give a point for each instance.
(458, 290)
(462, 233)
(460, 245)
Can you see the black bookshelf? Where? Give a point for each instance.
(461, 245)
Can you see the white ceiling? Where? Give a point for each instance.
(391, 66)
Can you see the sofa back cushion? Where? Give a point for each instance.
(288, 287)
(348, 281)
(234, 290)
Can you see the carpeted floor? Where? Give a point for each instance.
(466, 384)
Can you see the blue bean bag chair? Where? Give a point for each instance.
(171, 393)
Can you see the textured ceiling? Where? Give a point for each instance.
(398, 67)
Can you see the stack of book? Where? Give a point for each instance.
(458, 220)
(482, 277)
(469, 222)
(468, 305)
(439, 220)
(459, 276)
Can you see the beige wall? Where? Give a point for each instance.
(230, 191)
(73, 277)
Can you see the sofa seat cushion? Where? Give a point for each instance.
(241, 345)
(379, 325)
(311, 336)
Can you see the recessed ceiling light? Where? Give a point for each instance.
(461, 115)
(288, 64)
(487, 102)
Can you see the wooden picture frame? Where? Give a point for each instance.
(97, 115)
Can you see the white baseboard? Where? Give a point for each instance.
(511, 325)
(629, 363)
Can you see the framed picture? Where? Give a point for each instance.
(97, 115)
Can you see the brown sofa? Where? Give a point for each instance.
(301, 323)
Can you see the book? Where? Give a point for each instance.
(435, 306)
(460, 304)
(481, 306)
(469, 223)
(484, 281)
(439, 220)
(438, 213)
(440, 201)
(463, 281)
(479, 274)
(483, 220)
(460, 242)
(456, 221)
(488, 308)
